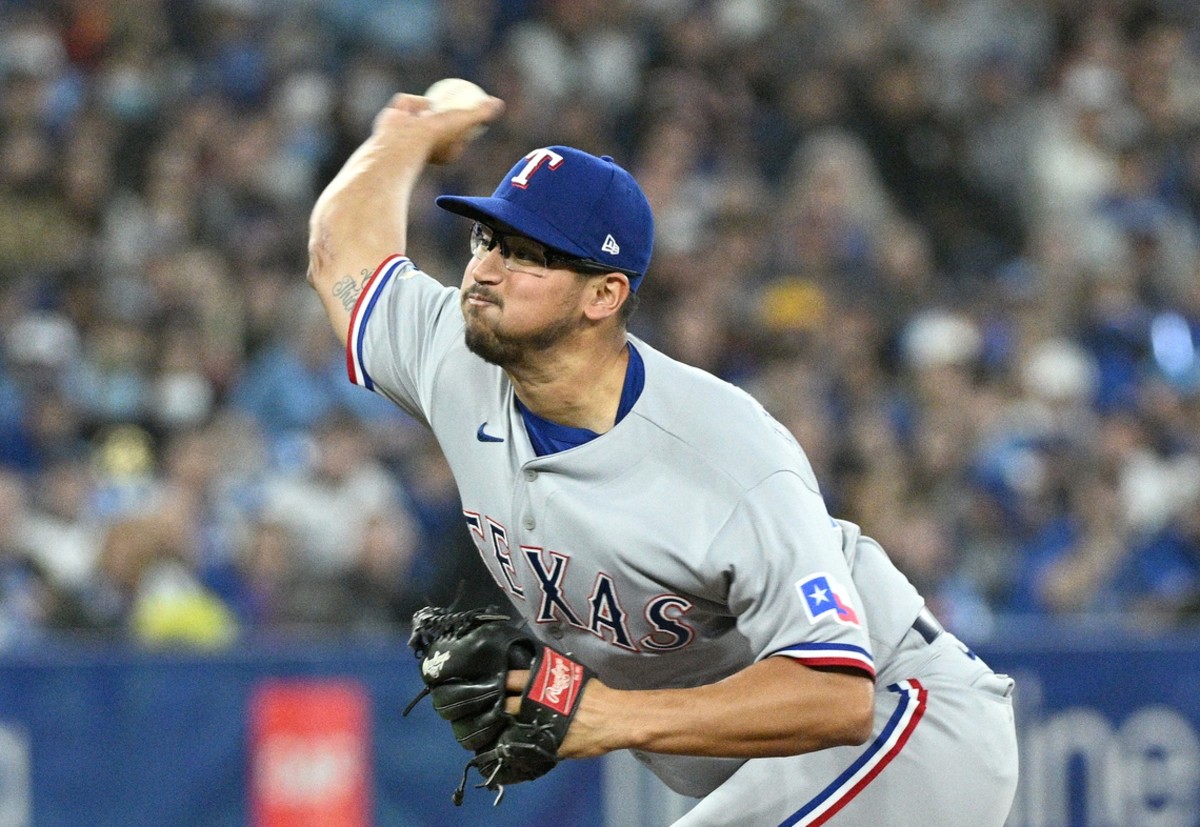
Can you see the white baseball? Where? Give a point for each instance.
(457, 93)
(454, 93)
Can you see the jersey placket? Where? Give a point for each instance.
(544, 566)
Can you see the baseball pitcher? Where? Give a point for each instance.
(677, 587)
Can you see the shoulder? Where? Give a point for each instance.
(399, 276)
(715, 424)
(400, 300)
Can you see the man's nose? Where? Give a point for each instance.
(490, 268)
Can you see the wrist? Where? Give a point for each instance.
(598, 726)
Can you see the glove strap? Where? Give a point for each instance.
(558, 683)
(413, 703)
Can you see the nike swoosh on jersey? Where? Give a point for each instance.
(483, 436)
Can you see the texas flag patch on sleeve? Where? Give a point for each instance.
(824, 597)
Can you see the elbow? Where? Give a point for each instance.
(858, 729)
(318, 256)
(849, 711)
(853, 730)
(858, 718)
(845, 719)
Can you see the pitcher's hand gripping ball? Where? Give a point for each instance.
(457, 93)
(465, 658)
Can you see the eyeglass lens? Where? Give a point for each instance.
(517, 252)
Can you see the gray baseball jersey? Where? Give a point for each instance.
(676, 549)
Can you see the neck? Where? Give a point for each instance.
(580, 388)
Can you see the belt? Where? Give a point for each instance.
(927, 625)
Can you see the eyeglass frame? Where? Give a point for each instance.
(553, 258)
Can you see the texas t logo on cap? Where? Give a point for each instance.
(573, 202)
(536, 159)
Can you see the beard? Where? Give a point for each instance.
(509, 350)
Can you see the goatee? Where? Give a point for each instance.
(511, 351)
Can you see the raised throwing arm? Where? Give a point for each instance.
(362, 215)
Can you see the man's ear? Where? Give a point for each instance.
(605, 295)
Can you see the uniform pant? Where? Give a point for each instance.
(943, 753)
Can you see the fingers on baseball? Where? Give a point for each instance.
(481, 113)
(400, 106)
(462, 126)
(408, 103)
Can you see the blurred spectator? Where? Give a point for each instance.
(30, 602)
(580, 48)
(148, 591)
(334, 495)
(954, 245)
(380, 584)
(110, 383)
(300, 379)
(1159, 579)
(62, 530)
(275, 592)
(445, 568)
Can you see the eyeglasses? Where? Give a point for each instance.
(521, 254)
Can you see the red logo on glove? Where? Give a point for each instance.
(558, 683)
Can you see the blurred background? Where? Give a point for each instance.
(952, 244)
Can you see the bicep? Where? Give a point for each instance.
(338, 295)
(337, 275)
(349, 234)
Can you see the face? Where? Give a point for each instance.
(513, 315)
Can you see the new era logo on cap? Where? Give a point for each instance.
(577, 203)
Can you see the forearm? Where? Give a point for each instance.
(775, 707)
(362, 215)
(359, 219)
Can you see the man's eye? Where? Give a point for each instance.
(527, 255)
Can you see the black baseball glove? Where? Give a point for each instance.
(465, 658)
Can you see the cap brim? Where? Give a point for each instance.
(506, 216)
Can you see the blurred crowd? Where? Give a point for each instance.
(952, 244)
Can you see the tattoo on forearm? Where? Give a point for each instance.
(348, 289)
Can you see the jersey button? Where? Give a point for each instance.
(530, 475)
(528, 522)
(556, 632)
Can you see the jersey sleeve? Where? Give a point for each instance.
(402, 326)
(790, 585)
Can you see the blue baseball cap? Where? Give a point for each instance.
(573, 202)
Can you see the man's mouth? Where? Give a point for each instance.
(480, 298)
